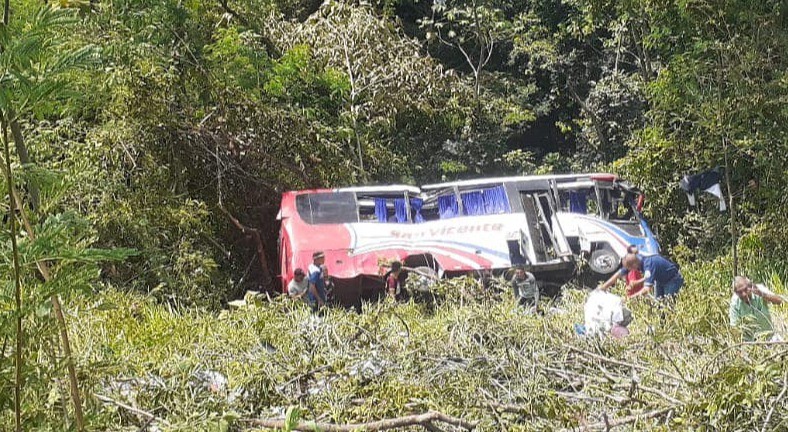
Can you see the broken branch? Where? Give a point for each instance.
(130, 408)
(255, 234)
(607, 425)
(622, 363)
(425, 420)
(775, 403)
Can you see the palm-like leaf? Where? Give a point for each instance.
(36, 59)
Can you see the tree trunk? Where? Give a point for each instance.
(734, 228)
(24, 156)
(17, 281)
(43, 268)
(359, 147)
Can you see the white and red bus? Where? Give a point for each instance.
(456, 228)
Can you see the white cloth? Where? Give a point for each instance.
(602, 310)
(717, 192)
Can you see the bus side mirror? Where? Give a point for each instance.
(641, 201)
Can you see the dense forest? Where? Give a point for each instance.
(146, 145)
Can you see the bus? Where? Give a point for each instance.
(469, 227)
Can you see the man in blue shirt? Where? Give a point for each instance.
(316, 296)
(660, 274)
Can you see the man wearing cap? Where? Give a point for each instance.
(316, 296)
(299, 285)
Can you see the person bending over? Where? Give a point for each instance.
(660, 275)
(394, 282)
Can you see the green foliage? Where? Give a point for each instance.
(296, 79)
(714, 100)
(451, 168)
(37, 60)
(235, 61)
(521, 162)
(612, 112)
(64, 243)
(199, 106)
(472, 27)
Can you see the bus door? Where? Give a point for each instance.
(542, 238)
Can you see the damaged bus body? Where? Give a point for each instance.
(476, 227)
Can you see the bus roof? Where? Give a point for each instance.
(497, 180)
(401, 188)
(381, 189)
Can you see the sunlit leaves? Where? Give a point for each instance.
(36, 60)
(236, 62)
(719, 95)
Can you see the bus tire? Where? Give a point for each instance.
(423, 278)
(603, 261)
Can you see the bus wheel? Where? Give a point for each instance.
(422, 278)
(603, 261)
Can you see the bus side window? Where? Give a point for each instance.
(367, 210)
(327, 207)
(429, 211)
(380, 209)
(448, 206)
(580, 201)
(593, 204)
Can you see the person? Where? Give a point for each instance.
(317, 287)
(299, 285)
(605, 313)
(635, 279)
(635, 284)
(749, 309)
(329, 283)
(525, 289)
(486, 278)
(659, 274)
(394, 282)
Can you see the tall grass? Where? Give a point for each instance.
(473, 355)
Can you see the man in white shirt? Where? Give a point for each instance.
(299, 285)
(316, 294)
(605, 313)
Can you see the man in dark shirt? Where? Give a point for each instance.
(660, 274)
(317, 287)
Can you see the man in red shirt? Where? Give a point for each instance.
(393, 282)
